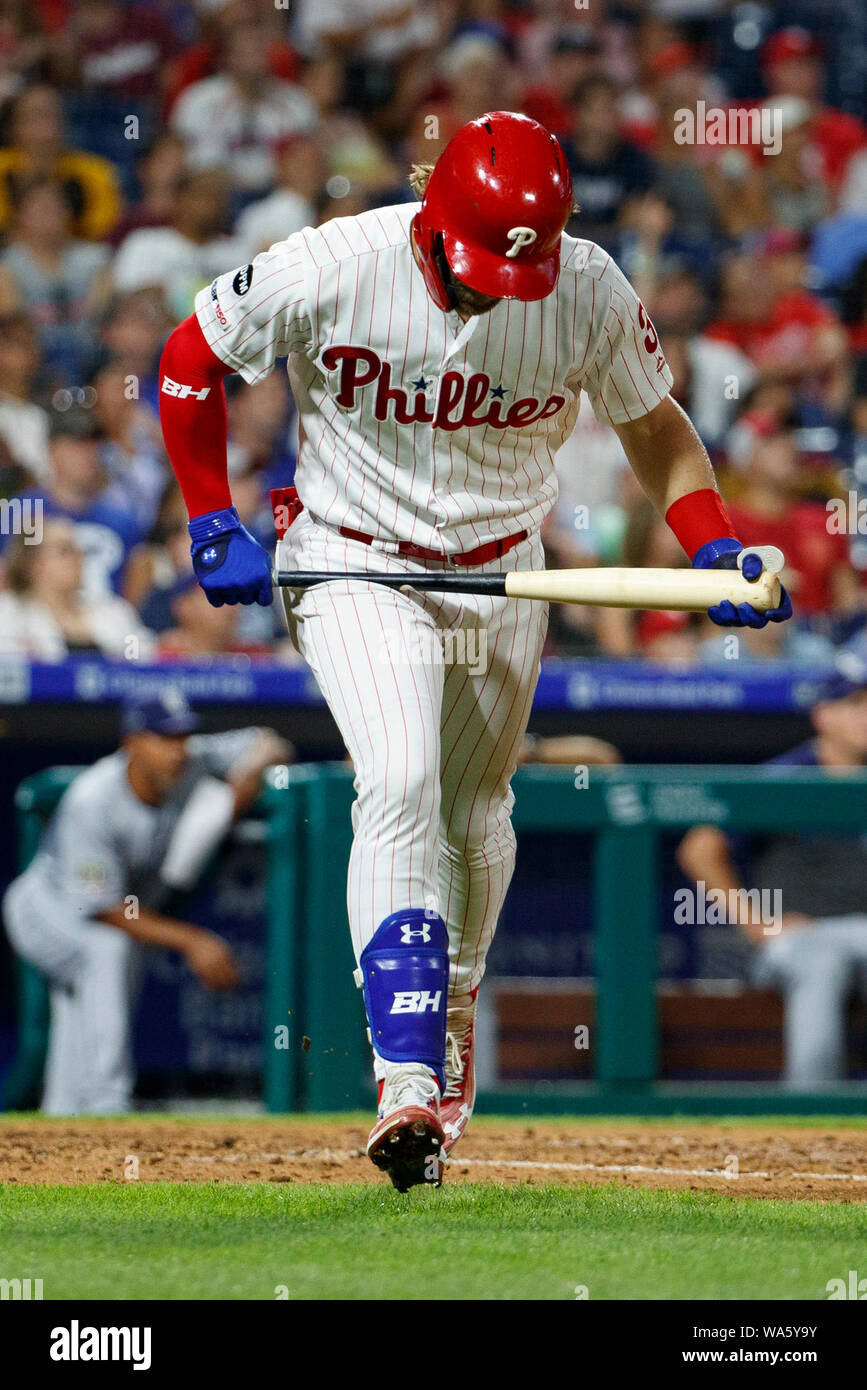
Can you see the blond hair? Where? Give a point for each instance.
(418, 178)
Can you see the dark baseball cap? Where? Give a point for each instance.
(848, 676)
(166, 713)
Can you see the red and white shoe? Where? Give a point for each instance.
(459, 1096)
(407, 1140)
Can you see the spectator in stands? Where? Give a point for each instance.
(158, 177)
(606, 169)
(473, 77)
(116, 49)
(44, 614)
(769, 510)
(159, 561)
(792, 66)
(382, 46)
(798, 195)
(740, 195)
(709, 379)
(134, 329)
(258, 439)
(202, 55)
(816, 953)
(201, 631)
(233, 119)
(181, 258)
(37, 145)
(353, 149)
(23, 423)
(300, 181)
(576, 55)
(23, 47)
(62, 280)
(680, 178)
(74, 491)
(133, 452)
(788, 334)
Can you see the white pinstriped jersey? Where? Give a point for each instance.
(417, 426)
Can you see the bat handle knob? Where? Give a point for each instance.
(771, 556)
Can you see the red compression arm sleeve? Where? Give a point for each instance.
(699, 517)
(193, 417)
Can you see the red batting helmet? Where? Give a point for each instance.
(499, 196)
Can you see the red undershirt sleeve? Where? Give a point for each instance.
(193, 417)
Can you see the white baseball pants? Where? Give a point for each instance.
(431, 693)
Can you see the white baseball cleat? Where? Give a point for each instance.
(456, 1106)
(407, 1140)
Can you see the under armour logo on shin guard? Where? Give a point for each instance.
(409, 934)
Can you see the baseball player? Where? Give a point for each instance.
(815, 952)
(437, 353)
(130, 830)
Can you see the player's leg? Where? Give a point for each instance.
(50, 939)
(105, 996)
(91, 969)
(486, 706)
(366, 649)
(89, 1067)
(815, 973)
(65, 1058)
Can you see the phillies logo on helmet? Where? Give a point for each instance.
(462, 402)
(520, 237)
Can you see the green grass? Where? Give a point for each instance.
(230, 1241)
(12, 1118)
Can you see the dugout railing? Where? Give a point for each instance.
(314, 1052)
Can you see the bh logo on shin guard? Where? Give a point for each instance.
(405, 976)
(416, 1001)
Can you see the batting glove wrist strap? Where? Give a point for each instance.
(211, 525)
(713, 554)
(405, 978)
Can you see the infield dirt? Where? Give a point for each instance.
(824, 1163)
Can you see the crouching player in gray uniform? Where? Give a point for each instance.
(816, 954)
(130, 830)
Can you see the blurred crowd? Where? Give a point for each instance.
(145, 147)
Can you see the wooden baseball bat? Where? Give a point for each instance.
(685, 590)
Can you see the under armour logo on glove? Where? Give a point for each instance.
(230, 564)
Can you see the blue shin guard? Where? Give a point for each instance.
(405, 978)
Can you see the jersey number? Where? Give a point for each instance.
(650, 341)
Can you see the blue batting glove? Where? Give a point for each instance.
(230, 565)
(723, 555)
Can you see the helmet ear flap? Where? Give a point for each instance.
(433, 263)
(443, 270)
